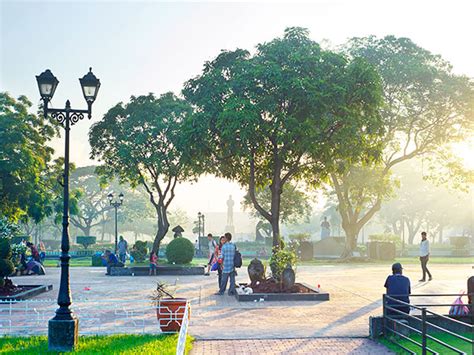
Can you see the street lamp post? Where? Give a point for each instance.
(199, 224)
(63, 328)
(116, 205)
(203, 226)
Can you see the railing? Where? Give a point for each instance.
(424, 321)
(96, 317)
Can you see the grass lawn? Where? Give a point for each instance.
(86, 261)
(402, 260)
(449, 339)
(112, 344)
(54, 262)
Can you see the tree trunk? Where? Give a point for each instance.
(163, 225)
(352, 232)
(276, 190)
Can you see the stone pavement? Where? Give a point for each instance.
(355, 292)
(290, 346)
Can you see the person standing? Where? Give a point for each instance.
(424, 257)
(228, 269)
(212, 249)
(398, 287)
(153, 263)
(122, 247)
(218, 254)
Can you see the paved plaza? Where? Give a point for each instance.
(290, 346)
(355, 292)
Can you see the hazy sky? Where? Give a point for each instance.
(149, 46)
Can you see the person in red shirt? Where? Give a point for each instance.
(34, 251)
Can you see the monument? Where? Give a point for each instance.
(230, 216)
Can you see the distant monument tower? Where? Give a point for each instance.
(230, 216)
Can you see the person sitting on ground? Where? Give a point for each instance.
(34, 267)
(112, 261)
(34, 251)
(153, 263)
(212, 249)
(228, 269)
(398, 287)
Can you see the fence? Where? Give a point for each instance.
(423, 323)
(96, 317)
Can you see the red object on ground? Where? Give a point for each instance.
(170, 313)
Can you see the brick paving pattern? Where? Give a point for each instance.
(289, 346)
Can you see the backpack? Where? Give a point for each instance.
(237, 258)
(458, 308)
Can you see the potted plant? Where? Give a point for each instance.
(169, 310)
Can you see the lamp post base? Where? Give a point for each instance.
(63, 334)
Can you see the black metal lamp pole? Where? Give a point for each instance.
(63, 328)
(203, 226)
(199, 224)
(116, 205)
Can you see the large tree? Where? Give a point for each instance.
(24, 160)
(141, 142)
(426, 108)
(295, 204)
(270, 118)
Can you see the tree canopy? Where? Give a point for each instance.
(290, 111)
(25, 184)
(426, 107)
(141, 142)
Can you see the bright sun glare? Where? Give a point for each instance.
(465, 151)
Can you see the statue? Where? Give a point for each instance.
(230, 215)
(325, 228)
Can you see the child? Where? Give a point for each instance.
(153, 262)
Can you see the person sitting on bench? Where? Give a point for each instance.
(398, 287)
(112, 261)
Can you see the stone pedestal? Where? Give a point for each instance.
(63, 334)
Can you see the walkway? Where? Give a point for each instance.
(289, 346)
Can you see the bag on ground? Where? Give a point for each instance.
(458, 308)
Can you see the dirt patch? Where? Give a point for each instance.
(270, 286)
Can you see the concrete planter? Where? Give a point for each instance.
(313, 295)
(33, 290)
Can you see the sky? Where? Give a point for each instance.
(137, 47)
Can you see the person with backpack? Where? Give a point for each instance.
(228, 253)
(212, 249)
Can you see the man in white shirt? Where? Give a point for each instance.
(424, 257)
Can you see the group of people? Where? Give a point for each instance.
(398, 286)
(33, 262)
(221, 259)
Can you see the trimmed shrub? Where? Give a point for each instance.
(97, 260)
(85, 241)
(5, 249)
(180, 251)
(139, 251)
